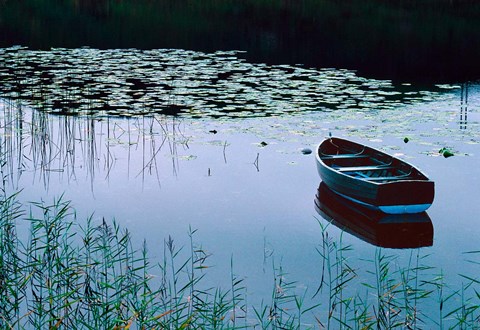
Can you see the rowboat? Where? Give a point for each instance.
(395, 231)
(373, 178)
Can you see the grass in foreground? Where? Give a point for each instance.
(67, 276)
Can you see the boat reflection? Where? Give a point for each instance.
(395, 231)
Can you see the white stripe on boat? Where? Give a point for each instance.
(400, 209)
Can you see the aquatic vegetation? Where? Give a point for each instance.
(401, 35)
(91, 276)
(127, 82)
(95, 276)
(446, 152)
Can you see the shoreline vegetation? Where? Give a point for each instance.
(90, 276)
(403, 40)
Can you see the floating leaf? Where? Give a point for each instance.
(446, 152)
(188, 157)
(187, 83)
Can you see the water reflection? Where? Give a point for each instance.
(75, 148)
(377, 228)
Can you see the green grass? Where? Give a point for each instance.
(72, 276)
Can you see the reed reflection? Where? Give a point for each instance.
(464, 106)
(384, 230)
(74, 148)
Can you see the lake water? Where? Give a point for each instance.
(228, 161)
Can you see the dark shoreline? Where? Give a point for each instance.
(404, 41)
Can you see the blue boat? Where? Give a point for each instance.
(373, 178)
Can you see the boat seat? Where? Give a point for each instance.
(343, 156)
(389, 178)
(365, 168)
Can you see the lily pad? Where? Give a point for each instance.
(185, 83)
(446, 152)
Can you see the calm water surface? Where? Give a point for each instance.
(238, 176)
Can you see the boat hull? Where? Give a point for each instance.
(412, 193)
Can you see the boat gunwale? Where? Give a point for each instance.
(394, 180)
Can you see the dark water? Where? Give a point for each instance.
(414, 41)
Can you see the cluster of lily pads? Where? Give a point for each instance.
(179, 82)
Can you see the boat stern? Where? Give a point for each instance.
(406, 197)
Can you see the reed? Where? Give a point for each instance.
(336, 275)
(90, 276)
(70, 147)
(280, 312)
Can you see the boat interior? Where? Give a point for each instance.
(367, 163)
